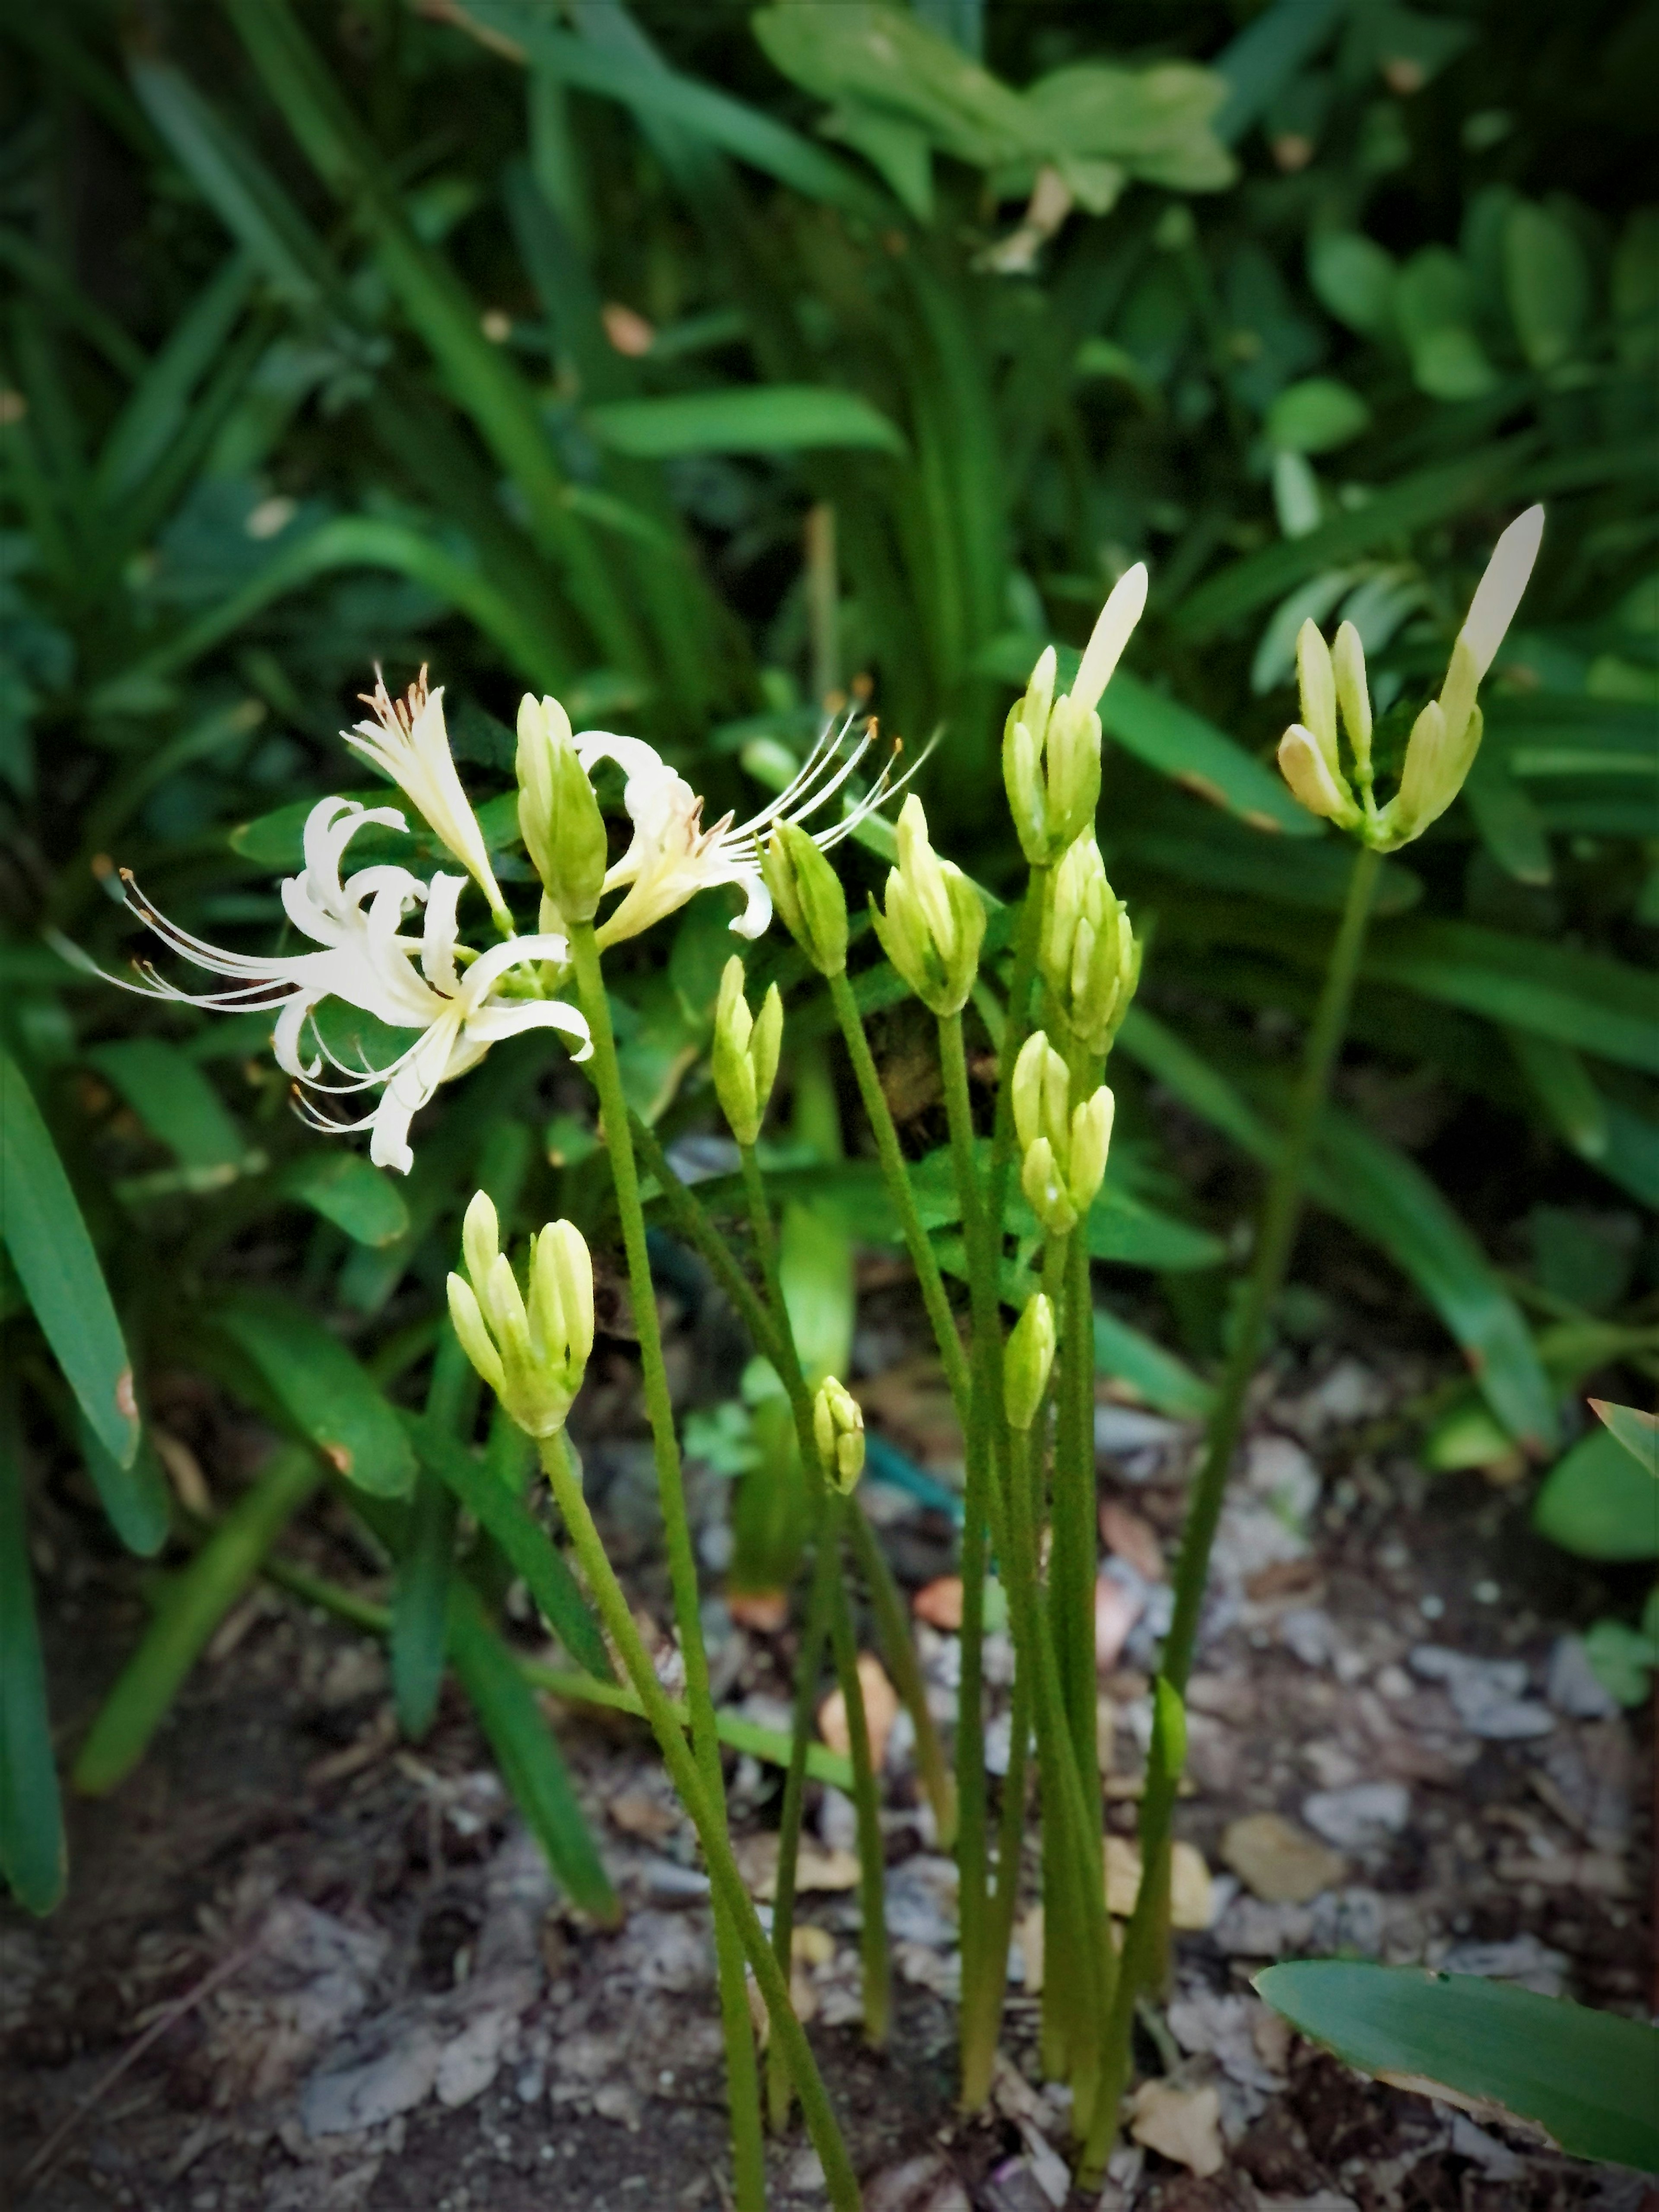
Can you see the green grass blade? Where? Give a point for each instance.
(420, 1606)
(765, 418)
(195, 1604)
(1638, 1431)
(347, 1190)
(135, 1498)
(43, 1230)
(1587, 2077)
(527, 1755)
(33, 1858)
(1416, 502)
(529, 1550)
(160, 404)
(64, 298)
(320, 1391)
(1167, 1383)
(1265, 55)
(173, 1099)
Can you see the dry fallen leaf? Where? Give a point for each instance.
(637, 1813)
(1191, 1906)
(810, 1946)
(1183, 2124)
(939, 1603)
(1278, 1862)
(764, 1611)
(1133, 1538)
(815, 1868)
(1116, 1611)
(881, 1706)
(1028, 1936)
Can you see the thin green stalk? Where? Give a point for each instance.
(986, 2031)
(766, 1251)
(898, 1185)
(872, 1871)
(1016, 1029)
(686, 1772)
(1073, 1515)
(825, 1573)
(1280, 1212)
(980, 1968)
(743, 2078)
(693, 1223)
(899, 1648)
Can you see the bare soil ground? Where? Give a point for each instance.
(337, 1979)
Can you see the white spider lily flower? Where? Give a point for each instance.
(672, 856)
(460, 1011)
(407, 740)
(459, 1001)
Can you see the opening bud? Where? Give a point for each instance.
(1088, 955)
(532, 1353)
(558, 814)
(745, 1053)
(1303, 764)
(838, 1427)
(934, 921)
(1063, 1148)
(1027, 1361)
(1051, 747)
(806, 891)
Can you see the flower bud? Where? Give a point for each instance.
(558, 814)
(1316, 682)
(1027, 1360)
(1063, 1153)
(806, 891)
(934, 921)
(745, 1053)
(1088, 954)
(838, 1427)
(532, 1355)
(1051, 747)
(1303, 764)
(1354, 695)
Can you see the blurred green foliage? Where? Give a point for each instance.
(708, 367)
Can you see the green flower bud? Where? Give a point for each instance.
(1027, 1360)
(533, 1355)
(838, 1427)
(1354, 695)
(745, 1053)
(1088, 954)
(1051, 747)
(934, 921)
(807, 893)
(1063, 1153)
(558, 814)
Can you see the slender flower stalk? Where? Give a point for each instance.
(742, 2075)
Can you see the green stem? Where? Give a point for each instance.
(872, 1871)
(986, 2031)
(1073, 1515)
(692, 1221)
(897, 1176)
(742, 2079)
(981, 1969)
(766, 1251)
(1280, 1211)
(899, 1648)
(726, 1882)
(1015, 1030)
(808, 1668)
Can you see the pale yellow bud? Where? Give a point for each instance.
(532, 1356)
(1353, 693)
(838, 1430)
(1316, 680)
(1027, 1362)
(1303, 766)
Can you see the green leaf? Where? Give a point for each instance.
(1622, 1660)
(1418, 501)
(41, 1226)
(527, 1755)
(1433, 305)
(1631, 1157)
(1548, 283)
(1266, 55)
(1586, 2077)
(529, 1550)
(1556, 991)
(419, 1606)
(759, 418)
(135, 1498)
(1638, 1431)
(319, 1388)
(347, 1190)
(1510, 826)
(1317, 415)
(1121, 1229)
(173, 1099)
(159, 407)
(1220, 858)
(1559, 1081)
(34, 1860)
(1353, 277)
(1388, 1196)
(1598, 1502)
(1165, 1383)
(194, 1604)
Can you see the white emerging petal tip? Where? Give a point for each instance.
(1118, 617)
(1498, 594)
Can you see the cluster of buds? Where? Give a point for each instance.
(1027, 1358)
(934, 921)
(1446, 735)
(807, 893)
(838, 1429)
(745, 1053)
(559, 816)
(1063, 1147)
(1051, 747)
(1089, 956)
(532, 1353)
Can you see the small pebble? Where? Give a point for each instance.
(1486, 1593)
(1432, 1607)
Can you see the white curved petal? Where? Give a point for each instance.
(438, 942)
(494, 1025)
(490, 967)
